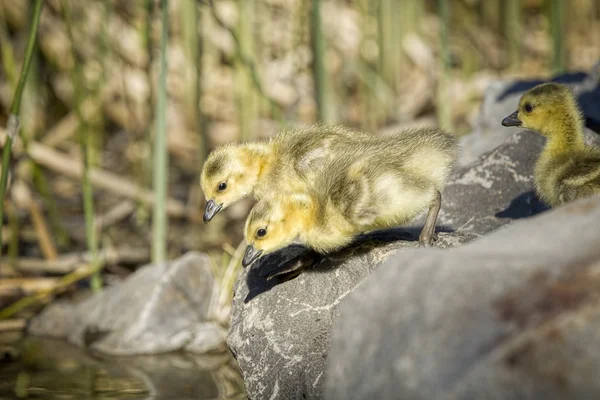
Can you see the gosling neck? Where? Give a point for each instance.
(305, 219)
(257, 158)
(564, 136)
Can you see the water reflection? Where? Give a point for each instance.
(33, 367)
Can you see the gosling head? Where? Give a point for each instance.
(274, 223)
(549, 108)
(229, 174)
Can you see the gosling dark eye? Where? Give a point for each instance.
(222, 186)
(261, 232)
(528, 107)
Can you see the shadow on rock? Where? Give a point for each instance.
(590, 104)
(259, 271)
(361, 245)
(257, 277)
(525, 205)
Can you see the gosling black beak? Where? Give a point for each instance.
(211, 210)
(250, 255)
(512, 120)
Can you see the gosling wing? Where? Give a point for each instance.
(580, 178)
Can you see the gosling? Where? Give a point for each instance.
(567, 169)
(381, 183)
(287, 162)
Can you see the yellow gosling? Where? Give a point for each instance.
(286, 162)
(567, 168)
(379, 183)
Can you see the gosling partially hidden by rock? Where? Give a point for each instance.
(378, 183)
(286, 162)
(567, 168)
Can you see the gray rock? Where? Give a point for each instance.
(501, 98)
(280, 330)
(513, 315)
(159, 308)
(498, 188)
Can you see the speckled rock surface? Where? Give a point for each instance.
(157, 309)
(280, 330)
(513, 315)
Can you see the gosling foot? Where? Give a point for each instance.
(428, 243)
(294, 267)
(428, 235)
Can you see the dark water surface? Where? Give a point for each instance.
(38, 368)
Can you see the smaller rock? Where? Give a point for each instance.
(159, 308)
(208, 337)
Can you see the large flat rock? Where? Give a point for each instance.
(280, 330)
(513, 315)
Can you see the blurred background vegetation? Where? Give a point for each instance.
(235, 70)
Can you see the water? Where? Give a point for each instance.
(37, 368)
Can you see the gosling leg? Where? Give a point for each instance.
(428, 231)
(295, 266)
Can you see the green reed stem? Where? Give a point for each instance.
(160, 167)
(13, 245)
(325, 112)
(12, 126)
(512, 31)
(202, 118)
(557, 11)
(194, 48)
(247, 60)
(7, 55)
(41, 184)
(244, 89)
(84, 145)
(443, 103)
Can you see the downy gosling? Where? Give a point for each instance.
(286, 162)
(379, 183)
(567, 168)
